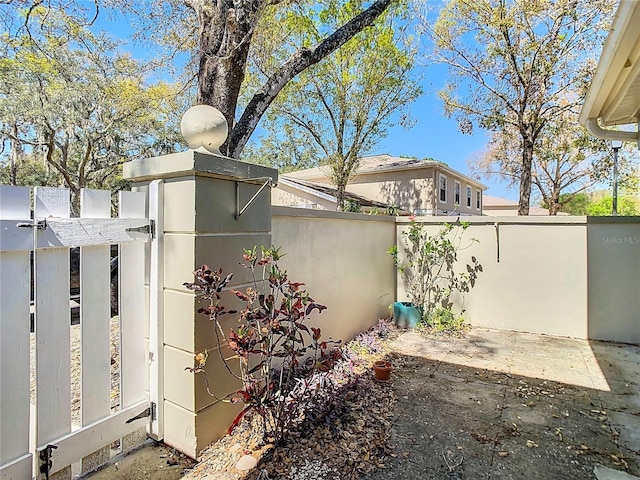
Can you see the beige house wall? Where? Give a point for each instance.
(450, 206)
(342, 259)
(411, 190)
(414, 190)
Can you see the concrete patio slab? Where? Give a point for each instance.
(507, 405)
(605, 473)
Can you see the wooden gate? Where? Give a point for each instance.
(37, 435)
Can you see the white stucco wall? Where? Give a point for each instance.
(567, 276)
(342, 259)
(534, 276)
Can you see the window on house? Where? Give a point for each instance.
(456, 193)
(468, 196)
(478, 199)
(443, 188)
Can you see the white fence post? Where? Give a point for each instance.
(15, 458)
(156, 310)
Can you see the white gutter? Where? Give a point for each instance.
(596, 130)
(612, 62)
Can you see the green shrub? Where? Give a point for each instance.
(430, 272)
(280, 358)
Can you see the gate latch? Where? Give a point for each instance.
(45, 460)
(37, 224)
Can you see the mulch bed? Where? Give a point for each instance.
(343, 445)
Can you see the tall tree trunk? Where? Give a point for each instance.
(225, 36)
(525, 175)
(340, 200)
(554, 204)
(225, 31)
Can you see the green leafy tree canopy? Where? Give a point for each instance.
(516, 65)
(337, 110)
(73, 108)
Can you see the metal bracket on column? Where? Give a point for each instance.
(268, 182)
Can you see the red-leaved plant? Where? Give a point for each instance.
(279, 355)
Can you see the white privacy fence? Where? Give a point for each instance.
(35, 241)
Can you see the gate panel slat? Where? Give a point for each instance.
(131, 270)
(14, 342)
(95, 312)
(53, 372)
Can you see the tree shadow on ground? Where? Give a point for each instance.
(460, 422)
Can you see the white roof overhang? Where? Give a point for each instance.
(613, 98)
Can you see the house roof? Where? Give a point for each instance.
(490, 201)
(386, 163)
(328, 192)
(613, 97)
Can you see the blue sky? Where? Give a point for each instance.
(433, 135)
(438, 137)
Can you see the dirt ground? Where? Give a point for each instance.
(152, 460)
(496, 405)
(504, 405)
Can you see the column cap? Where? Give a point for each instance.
(196, 163)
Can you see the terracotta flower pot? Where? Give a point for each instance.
(382, 370)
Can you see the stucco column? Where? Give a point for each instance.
(203, 194)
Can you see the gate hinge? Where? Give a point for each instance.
(150, 229)
(37, 224)
(45, 460)
(150, 411)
